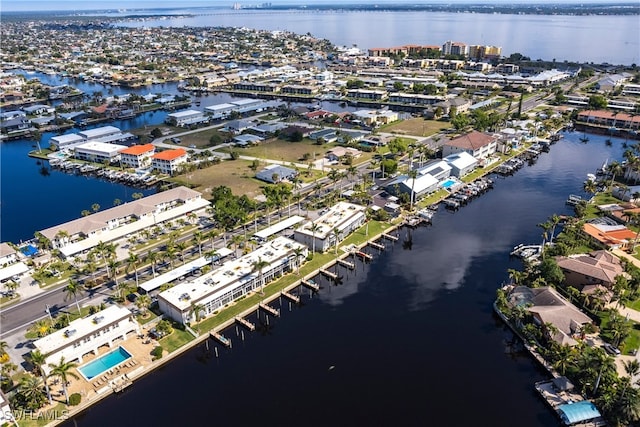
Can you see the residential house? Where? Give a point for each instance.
(461, 163)
(595, 268)
(479, 145)
(610, 236)
(276, 173)
(338, 153)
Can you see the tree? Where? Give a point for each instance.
(196, 310)
(72, 290)
(38, 361)
(413, 174)
(298, 251)
(258, 266)
(143, 302)
(133, 262)
(63, 371)
(314, 228)
(597, 102)
(197, 240)
(212, 255)
(95, 207)
(152, 257)
(615, 169)
(30, 393)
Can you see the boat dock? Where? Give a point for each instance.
(364, 255)
(311, 285)
(345, 263)
(527, 252)
(221, 339)
(329, 274)
(376, 245)
(573, 200)
(244, 322)
(270, 310)
(290, 297)
(390, 237)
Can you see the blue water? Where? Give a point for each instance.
(448, 183)
(104, 363)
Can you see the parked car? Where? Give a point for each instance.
(175, 140)
(609, 348)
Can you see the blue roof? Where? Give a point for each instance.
(572, 413)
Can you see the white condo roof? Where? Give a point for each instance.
(98, 132)
(339, 216)
(101, 147)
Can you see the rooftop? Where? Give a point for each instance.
(136, 150)
(170, 154)
(339, 216)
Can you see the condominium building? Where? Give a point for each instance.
(335, 225)
(87, 335)
(98, 152)
(137, 156)
(169, 161)
(234, 279)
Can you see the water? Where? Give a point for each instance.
(104, 363)
(613, 39)
(409, 339)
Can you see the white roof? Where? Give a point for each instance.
(422, 182)
(219, 107)
(339, 216)
(174, 274)
(230, 275)
(67, 138)
(98, 132)
(185, 113)
(461, 160)
(100, 147)
(278, 227)
(14, 269)
(81, 328)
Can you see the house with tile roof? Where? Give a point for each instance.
(137, 156)
(548, 307)
(610, 236)
(595, 268)
(169, 161)
(480, 145)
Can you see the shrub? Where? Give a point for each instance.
(157, 352)
(75, 399)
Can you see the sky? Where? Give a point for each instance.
(45, 5)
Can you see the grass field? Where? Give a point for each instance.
(201, 139)
(234, 174)
(277, 149)
(416, 126)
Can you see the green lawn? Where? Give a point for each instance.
(175, 340)
(31, 420)
(416, 126)
(285, 151)
(633, 340)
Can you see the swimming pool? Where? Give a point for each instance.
(448, 183)
(104, 363)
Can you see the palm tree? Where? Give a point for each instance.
(133, 261)
(31, 389)
(212, 255)
(258, 266)
(143, 302)
(615, 168)
(182, 246)
(38, 360)
(298, 251)
(152, 257)
(72, 290)
(413, 174)
(314, 227)
(63, 371)
(197, 240)
(196, 309)
(41, 327)
(632, 367)
(336, 233)
(590, 187)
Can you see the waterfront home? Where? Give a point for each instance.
(609, 119)
(547, 306)
(34, 110)
(478, 144)
(69, 140)
(8, 255)
(331, 227)
(10, 265)
(461, 163)
(169, 161)
(212, 291)
(15, 125)
(421, 186)
(137, 156)
(98, 152)
(276, 173)
(87, 335)
(373, 95)
(595, 268)
(186, 118)
(609, 236)
(84, 233)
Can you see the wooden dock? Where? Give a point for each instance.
(272, 311)
(364, 255)
(390, 237)
(329, 274)
(376, 245)
(221, 339)
(347, 264)
(311, 285)
(244, 322)
(290, 297)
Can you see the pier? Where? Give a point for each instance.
(329, 274)
(290, 297)
(390, 237)
(364, 255)
(244, 322)
(221, 339)
(376, 245)
(345, 263)
(311, 285)
(270, 310)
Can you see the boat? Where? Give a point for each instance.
(573, 200)
(591, 177)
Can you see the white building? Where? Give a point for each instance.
(479, 145)
(137, 156)
(220, 111)
(375, 117)
(169, 161)
(341, 219)
(98, 152)
(110, 224)
(100, 132)
(234, 279)
(87, 335)
(461, 163)
(10, 264)
(186, 118)
(66, 141)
